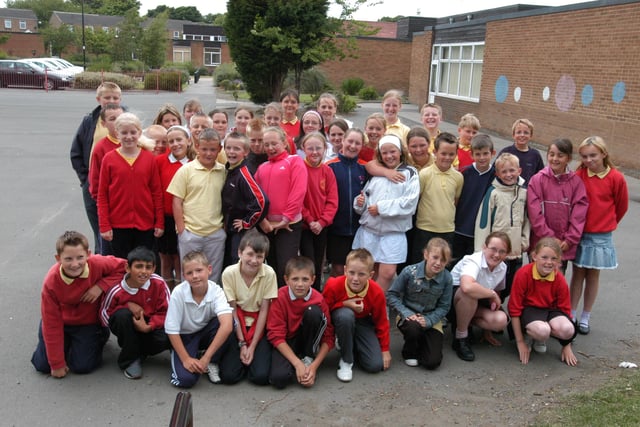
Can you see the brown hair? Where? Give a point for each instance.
(71, 238)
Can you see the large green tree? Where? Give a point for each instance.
(154, 42)
(118, 7)
(126, 45)
(188, 13)
(57, 39)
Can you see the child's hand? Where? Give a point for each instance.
(158, 232)
(315, 227)
(282, 225)
(354, 304)
(524, 351)
(386, 360)
(141, 325)
(92, 294)
(567, 356)
(60, 372)
(395, 176)
(301, 372)
(418, 318)
(107, 235)
(310, 376)
(373, 210)
(564, 246)
(266, 226)
(195, 366)
(237, 225)
(246, 355)
(360, 200)
(135, 309)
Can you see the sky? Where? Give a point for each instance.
(428, 8)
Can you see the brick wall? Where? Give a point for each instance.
(381, 63)
(23, 45)
(420, 67)
(565, 52)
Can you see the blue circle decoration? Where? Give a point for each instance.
(619, 92)
(502, 89)
(587, 95)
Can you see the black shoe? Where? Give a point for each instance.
(463, 349)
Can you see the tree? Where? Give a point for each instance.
(57, 39)
(126, 43)
(43, 8)
(154, 41)
(215, 19)
(188, 13)
(98, 42)
(118, 7)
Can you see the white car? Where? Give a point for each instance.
(55, 65)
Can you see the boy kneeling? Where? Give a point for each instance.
(359, 314)
(298, 327)
(135, 309)
(199, 318)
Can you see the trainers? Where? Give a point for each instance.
(307, 360)
(583, 328)
(214, 373)
(411, 362)
(134, 371)
(345, 373)
(463, 349)
(539, 346)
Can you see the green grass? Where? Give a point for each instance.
(615, 404)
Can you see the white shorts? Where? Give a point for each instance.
(390, 248)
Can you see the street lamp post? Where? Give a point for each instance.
(84, 47)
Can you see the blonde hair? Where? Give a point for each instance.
(362, 255)
(431, 105)
(396, 94)
(128, 119)
(507, 158)
(441, 244)
(599, 143)
(525, 122)
(108, 87)
(469, 120)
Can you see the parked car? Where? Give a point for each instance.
(57, 65)
(24, 74)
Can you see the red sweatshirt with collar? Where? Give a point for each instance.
(321, 200)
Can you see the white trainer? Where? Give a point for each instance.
(539, 346)
(411, 362)
(345, 372)
(214, 373)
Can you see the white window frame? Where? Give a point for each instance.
(181, 54)
(211, 53)
(446, 78)
(7, 24)
(23, 25)
(176, 34)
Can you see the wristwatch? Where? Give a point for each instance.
(241, 344)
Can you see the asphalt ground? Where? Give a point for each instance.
(42, 199)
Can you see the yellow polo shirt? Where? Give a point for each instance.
(249, 298)
(438, 194)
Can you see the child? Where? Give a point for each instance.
(440, 188)
(391, 106)
(504, 208)
(70, 337)
(477, 179)
(244, 204)
(311, 122)
(431, 116)
(158, 134)
(273, 113)
(168, 116)
(608, 203)
(557, 202)
(290, 101)
(191, 107)
(256, 156)
(320, 203)
(540, 305)
(241, 116)
(108, 117)
(386, 209)
(197, 123)
(89, 131)
(374, 128)
(337, 129)
(199, 318)
(477, 279)
(220, 120)
(421, 295)
(298, 327)
(530, 159)
(197, 203)
(350, 175)
(467, 128)
(250, 285)
(135, 309)
(130, 193)
(418, 147)
(180, 153)
(359, 316)
(327, 106)
(284, 180)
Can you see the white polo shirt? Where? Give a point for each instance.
(475, 265)
(185, 316)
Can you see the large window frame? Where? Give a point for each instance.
(456, 70)
(212, 56)
(181, 54)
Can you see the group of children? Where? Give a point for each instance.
(266, 204)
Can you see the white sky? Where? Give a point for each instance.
(427, 8)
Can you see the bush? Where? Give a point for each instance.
(346, 104)
(90, 80)
(226, 71)
(312, 82)
(352, 85)
(368, 93)
(171, 80)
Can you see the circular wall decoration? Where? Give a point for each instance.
(619, 92)
(587, 95)
(517, 92)
(565, 92)
(546, 93)
(502, 89)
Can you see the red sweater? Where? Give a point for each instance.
(321, 200)
(464, 159)
(167, 170)
(528, 292)
(153, 297)
(61, 306)
(293, 131)
(608, 200)
(367, 154)
(100, 149)
(284, 180)
(130, 196)
(285, 316)
(375, 305)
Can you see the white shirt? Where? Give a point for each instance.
(185, 316)
(475, 265)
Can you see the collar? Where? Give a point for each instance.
(69, 280)
(351, 294)
(279, 157)
(548, 278)
(290, 122)
(465, 147)
(128, 289)
(600, 175)
(481, 173)
(216, 166)
(114, 140)
(293, 297)
(172, 159)
(447, 172)
(311, 166)
(396, 124)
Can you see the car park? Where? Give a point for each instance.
(56, 65)
(19, 73)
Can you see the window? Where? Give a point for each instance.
(456, 70)
(181, 54)
(176, 34)
(212, 56)
(7, 24)
(23, 25)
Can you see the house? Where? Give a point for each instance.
(73, 20)
(203, 45)
(18, 21)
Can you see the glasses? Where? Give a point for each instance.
(497, 251)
